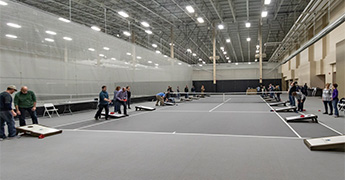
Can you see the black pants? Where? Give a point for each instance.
(124, 107)
(330, 106)
(22, 116)
(300, 104)
(129, 102)
(100, 108)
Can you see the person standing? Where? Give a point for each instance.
(121, 97)
(115, 102)
(129, 94)
(103, 103)
(160, 98)
(25, 101)
(335, 100)
(192, 90)
(178, 92)
(202, 90)
(7, 113)
(278, 93)
(186, 90)
(327, 99)
(291, 90)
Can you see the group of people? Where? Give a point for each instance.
(162, 97)
(24, 101)
(271, 90)
(122, 96)
(330, 98)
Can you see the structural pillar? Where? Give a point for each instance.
(172, 42)
(260, 50)
(214, 53)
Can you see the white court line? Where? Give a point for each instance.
(219, 105)
(75, 122)
(282, 119)
(108, 121)
(193, 111)
(182, 134)
(324, 125)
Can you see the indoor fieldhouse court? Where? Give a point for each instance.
(209, 138)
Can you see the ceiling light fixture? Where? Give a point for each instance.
(95, 28)
(158, 52)
(248, 24)
(91, 49)
(123, 14)
(126, 33)
(64, 20)
(51, 32)
(248, 39)
(3, 3)
(200, 20)
(101, 55)
(194, 54)
(14, 25)
(154, 45)
(264, 14)
(267, 2)
(220, 26)
(190, 9)
(228, 40)
(138, 57)
(145, 24)
(148, 31)
(49, 40)
(189, 50)
(67, 38)
(106, 48)
(128, 54)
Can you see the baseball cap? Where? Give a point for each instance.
(12, 87)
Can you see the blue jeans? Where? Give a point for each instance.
(22, 116)
(335, 106)
(292, 100)
(116, 106)
(6, 116)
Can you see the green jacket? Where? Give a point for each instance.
(25, 100)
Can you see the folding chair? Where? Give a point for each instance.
(49, 107)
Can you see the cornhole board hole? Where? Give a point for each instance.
(146, 108)
(326, 143)
(286, 109)
(313, 117)
(38, 130)
(113, 115)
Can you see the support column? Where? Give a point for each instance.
(172, 42)
(214, 53)
(260, 50)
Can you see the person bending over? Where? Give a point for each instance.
(300, 100)
(160, 98)
(25, 101)
(103, 103)
(121, 97)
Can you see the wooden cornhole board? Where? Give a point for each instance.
(326, 143)
(38, 130)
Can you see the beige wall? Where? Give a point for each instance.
(340, 49)
(318, 63)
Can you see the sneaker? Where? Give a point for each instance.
(330, 114)
(336, 116)
(1, 139)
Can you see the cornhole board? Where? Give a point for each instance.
(146, 108)
(313, 117)
(113, 115)
(277, 103)
(326, 143)
(38, 130)
(284, 109)
(169, 103)
(192, 97)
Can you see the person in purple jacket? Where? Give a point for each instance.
(335, 100)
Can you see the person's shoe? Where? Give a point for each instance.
(129, 108)
(336, 116)
(96, 118)
(325, 113)
(330, 114)
(1, 139)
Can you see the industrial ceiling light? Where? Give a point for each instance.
(179, 63)
(149, 62)
(200, 20)
(95, 28)
(113, 59)
(248, 39)
(101, 55)
(248, 24)
(256, 60)
(158, 52)
(249, 63)
(128, 54)
(224, 52)
(229, 61)
(154, 45)
(51, 32)
(200, 59)
(264, 14)
(3, 3)
(165, 56)
(190, 9)
(267, 2)
(126, 33)
(64, 20)
(227, 58)
(67, 38)
(189, 50)
(228, 40)
(200, 65)
(257, 51)
(49, 40)
(194, 54)
(257, 46)
(148, 31)
(204, 62)
(220, 26)
(91, 49)
(123, 14)
(236, 63)
(222, 48)
(138, 57)
(14, 25)
(145, 24)
(106, 48)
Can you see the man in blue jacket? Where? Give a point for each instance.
(7, 113)
(121, 97)
(103, 103)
